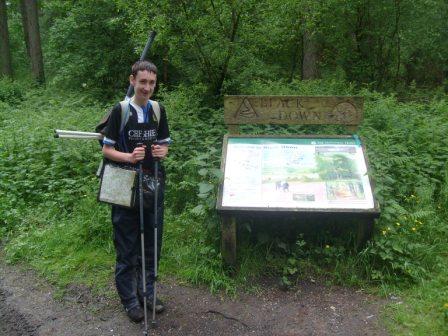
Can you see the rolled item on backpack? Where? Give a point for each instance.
(77, 135)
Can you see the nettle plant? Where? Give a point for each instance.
(408, 151)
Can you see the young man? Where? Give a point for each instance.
(144, 128)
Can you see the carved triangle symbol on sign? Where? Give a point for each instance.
(246, 110)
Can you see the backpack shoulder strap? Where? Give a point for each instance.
(156, 107)
(125, 106)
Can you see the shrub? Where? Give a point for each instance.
(11, 92)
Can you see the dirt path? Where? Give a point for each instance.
(27, 307)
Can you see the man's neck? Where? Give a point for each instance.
(140, 102)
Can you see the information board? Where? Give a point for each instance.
(293, 173)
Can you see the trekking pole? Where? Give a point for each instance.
(142, 239)
(156, 201)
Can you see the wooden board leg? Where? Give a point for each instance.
(228, 240)
(365, 232)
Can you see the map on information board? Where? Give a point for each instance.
(311, 173)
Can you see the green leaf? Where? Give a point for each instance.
(203, 171)
(205, 188)
(198, 210)
(218, 173)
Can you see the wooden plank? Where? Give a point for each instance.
(364, 232)
(234, 129)
(351, 128)
(228, 240)
(302, 110)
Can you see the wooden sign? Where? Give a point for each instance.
(302, 110)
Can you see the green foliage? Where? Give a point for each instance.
(190, 243)
(87, 46)
(192, 229)
(225, 45)
(421, 310)
(20, 62)
(47, 187)
(409, 149)
(193, 163)
(10, 91)
(66, 248)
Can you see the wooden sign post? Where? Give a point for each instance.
(289, 110)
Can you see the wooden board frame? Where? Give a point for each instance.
(225, 210)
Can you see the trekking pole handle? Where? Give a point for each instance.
(160, 143)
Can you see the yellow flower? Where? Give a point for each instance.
(388, 228)
(398, 224)
(384, 232)
(413, 229)
(327, 246)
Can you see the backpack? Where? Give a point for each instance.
(125, 106)
(101, 127)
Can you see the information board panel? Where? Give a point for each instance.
(295, 173)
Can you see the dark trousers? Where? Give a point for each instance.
(128, 268)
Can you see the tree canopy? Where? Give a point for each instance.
(224, 44)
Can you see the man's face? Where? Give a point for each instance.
(144, 84)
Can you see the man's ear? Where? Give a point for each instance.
(132, 80)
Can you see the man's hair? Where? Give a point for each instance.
(142, 66)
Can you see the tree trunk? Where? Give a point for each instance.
(25, 27)
(235, 23)
(5, 51)
(309, 63)
(295, 55)
(397, 34)
(165, 66)
(32, 25)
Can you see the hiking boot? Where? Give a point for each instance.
(135, 314)
(160, 306)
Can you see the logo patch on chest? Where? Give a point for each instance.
(142, 135)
